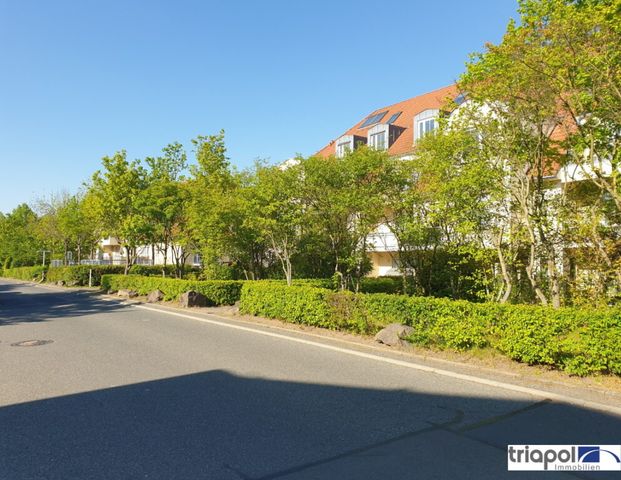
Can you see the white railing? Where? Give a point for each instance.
(382, 242)
(115, 261)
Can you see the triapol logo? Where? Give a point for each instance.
(564, 457)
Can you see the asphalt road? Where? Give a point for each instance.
(127, 393)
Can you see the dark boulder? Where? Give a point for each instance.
(192, 299)
(155, 296)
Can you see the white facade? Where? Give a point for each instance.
(110, 252)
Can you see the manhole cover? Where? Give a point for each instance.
(31, 343)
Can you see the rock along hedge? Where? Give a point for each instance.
(217, 292)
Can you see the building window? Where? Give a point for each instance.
(425, 127)
(378, 140)
(197, 259)
(343, 149)
(425, 123)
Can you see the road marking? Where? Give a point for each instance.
(392, 361)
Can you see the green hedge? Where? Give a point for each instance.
(77, 275)
(367, 285)
(298, 304)
(579, 341)
(381, 285)
(156, 270)
(24, 273)
(218, 292)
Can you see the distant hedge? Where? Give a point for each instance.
(579, 341)
(156, 270)
(367, 285)
(77, 275)
(218, 292)
(24, 273)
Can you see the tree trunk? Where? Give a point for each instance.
(507, 281)
(126, 260)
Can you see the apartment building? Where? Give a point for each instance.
(109, 251)
(394, 128)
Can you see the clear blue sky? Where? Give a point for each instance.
(83, 79)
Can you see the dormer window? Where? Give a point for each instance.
(378, 140)
(425, 122)
(378, 136)
(383, 136)
(347, 143)
(343, 148)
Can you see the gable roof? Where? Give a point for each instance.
(409, 109)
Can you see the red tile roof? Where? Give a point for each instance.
(409, 109)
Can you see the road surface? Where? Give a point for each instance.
(124, 392)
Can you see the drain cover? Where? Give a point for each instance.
(31, 343)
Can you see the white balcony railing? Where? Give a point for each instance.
(382, 242)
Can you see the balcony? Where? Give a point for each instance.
(380, 241)
(110, 242)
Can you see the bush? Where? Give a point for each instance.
(77, 275)
(156, 270)
(579, 341)
(152, 270)
(217, 292)
(381, 285)
(297, 304)
(25, 273)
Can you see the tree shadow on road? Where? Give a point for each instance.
(20, 303)
(216, 425)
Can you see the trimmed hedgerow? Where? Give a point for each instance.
(381, 285)
(298, 304)
(156, 270)
(77, 275)
(24, 273)
(217, 292)
(367, 285)
(579, 341)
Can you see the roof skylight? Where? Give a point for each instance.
(374, 119)
(393, 118)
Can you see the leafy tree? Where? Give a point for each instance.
(163, 203)
(64, 225)
(116, 191)
(278, 213)
(345, 198)
(218, 213)
(441, 205)
(19, 245)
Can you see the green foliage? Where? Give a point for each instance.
(217, 292)
(219, 212)
(18, 237)
(152, 270)
(77, 275)
(24, 273)
(278, 212)
(65, 226)
(382, 285)
(306, 305)
(345, 201)
(578, 341)
(553, 89)
(116, 191)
